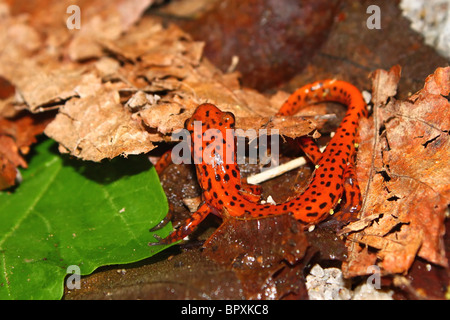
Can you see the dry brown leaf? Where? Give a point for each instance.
(16, 136)
(31, 54)
(42, 89)
(384, 84)
(7, 92)
(291, 127)
(405, 173)
(97, 126)
(10, 159)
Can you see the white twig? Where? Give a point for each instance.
(277, 171)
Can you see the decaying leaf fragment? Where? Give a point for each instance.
(404, 173)
(256, 250)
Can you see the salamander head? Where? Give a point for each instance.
(210, 117)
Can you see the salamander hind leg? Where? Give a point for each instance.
(251, 192)
(352, 194)
(310, 148)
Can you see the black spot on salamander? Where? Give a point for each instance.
(322, 205)
(209, 184)
(352, 195)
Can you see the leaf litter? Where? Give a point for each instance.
(91, 123)
(403, 170)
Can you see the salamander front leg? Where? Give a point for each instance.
(163, 162)
(186, 228)
(164, 221)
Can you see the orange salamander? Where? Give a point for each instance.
(333, 178)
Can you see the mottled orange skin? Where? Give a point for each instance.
(220, 180)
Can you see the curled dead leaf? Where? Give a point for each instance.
(403, 169)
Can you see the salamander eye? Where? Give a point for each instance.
(229, 119)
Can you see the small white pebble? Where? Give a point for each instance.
(270, 200)
(367, 96)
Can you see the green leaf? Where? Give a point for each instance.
(69, 212)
